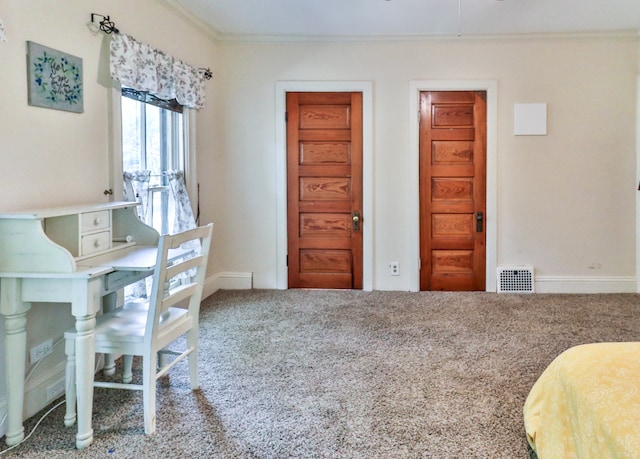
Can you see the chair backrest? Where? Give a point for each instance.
(173, 261)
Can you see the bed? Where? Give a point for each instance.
(586, 404)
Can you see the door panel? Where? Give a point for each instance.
(325, 261)
(452, 190)
(325, 225)
(334, 116)
(318, 153)
(324, 189)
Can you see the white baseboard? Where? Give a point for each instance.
(587, 284)
(543, 284)
(227, 281)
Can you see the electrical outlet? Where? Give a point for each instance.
(40, 351)
(394, 268)
(54, 391)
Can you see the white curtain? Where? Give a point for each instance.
(143, 68)
(179, 199)
(183, 219)
(136, 188)
(3, 37)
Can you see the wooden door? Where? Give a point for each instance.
(324, 190)
(452, 190)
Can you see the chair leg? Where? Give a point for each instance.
(149, 391)
(127, 373)
(109, 365)
(70, 380)
(192, 342)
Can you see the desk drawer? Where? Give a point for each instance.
(120, 279)
(93, 221)
(97, 242)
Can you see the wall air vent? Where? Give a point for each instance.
(515, 280)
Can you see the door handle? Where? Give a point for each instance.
(356, 221)
(479, 222)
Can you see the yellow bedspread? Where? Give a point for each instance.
(586, 404)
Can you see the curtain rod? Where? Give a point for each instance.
(107, 26)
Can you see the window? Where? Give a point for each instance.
(153, 139)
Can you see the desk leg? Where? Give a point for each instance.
(14, 311)
(15, 354)
(85, 307)
(85, 361)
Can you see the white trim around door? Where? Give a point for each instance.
(638, 179)
(491, 87)
(366, 88)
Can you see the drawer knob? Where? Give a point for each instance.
(96, 243)
(97, 221)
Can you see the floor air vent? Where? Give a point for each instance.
(515, 280)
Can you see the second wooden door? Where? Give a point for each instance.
(452, 190)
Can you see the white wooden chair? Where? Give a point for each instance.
(147, 331)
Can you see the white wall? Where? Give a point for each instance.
(51, 157)
(565, 201)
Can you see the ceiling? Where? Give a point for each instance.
(401, 18)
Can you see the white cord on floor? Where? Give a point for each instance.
(34, 428)
(47, 413)
(31, 370)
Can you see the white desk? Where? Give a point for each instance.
(66, 255)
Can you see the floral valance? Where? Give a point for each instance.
(143, 68)
(3, 37)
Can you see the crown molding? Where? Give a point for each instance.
(282, 39)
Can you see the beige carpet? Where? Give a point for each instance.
(349, 374)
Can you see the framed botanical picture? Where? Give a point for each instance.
(55, 79)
